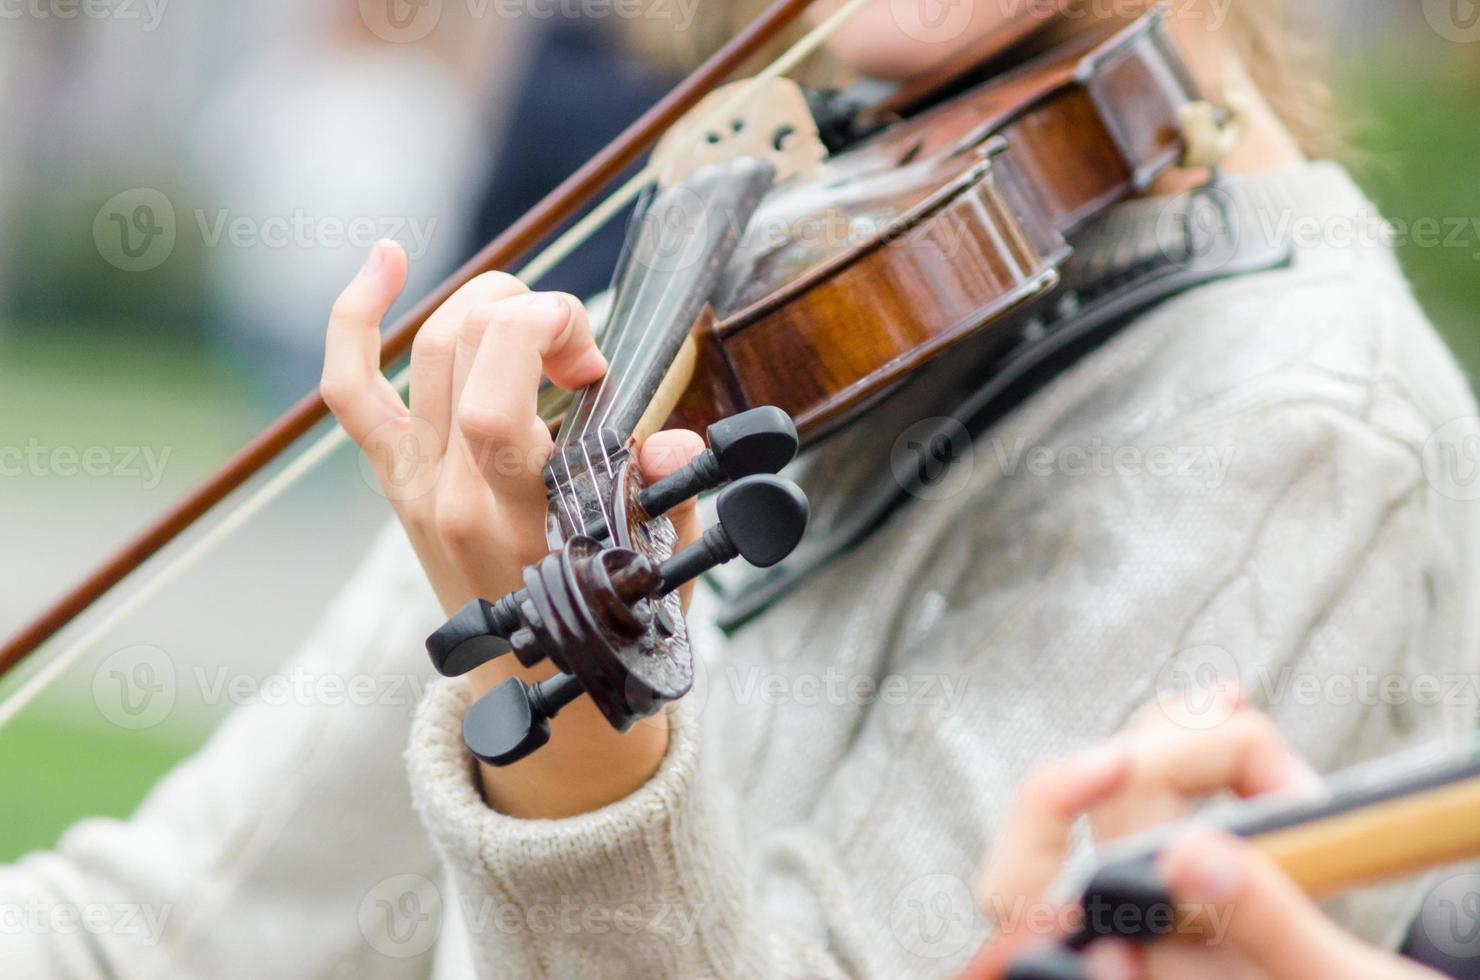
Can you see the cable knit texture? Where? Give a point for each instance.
(1232, 488)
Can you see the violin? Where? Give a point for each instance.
(782, 289)
(783, 274)
(1390, 818)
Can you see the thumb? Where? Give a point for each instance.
(1242, 898)
(662, 454)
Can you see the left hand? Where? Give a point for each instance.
(473, 504)
(1263, 925)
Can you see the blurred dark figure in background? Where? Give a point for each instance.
(554, 128)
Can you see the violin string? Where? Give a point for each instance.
(214, 536)
(300, 466)
(570, 508)
(624, 370)
(622, 382)
(611, 530)
(788, 60)
(574, 237)
(572, 514)
(645, 284)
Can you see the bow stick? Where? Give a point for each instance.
(533, 227)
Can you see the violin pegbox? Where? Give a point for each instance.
(768, 118)
(604, 612)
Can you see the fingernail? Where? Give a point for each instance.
(554, 308)
(1111, 959)
(594, 363)
(1210, 868)
(375, 262)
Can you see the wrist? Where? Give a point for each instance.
(585, 766)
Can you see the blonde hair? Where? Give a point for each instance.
(1274, 48)
(1289, 69)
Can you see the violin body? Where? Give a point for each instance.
(942, 226)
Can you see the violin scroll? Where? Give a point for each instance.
(598, 609)
(593, 612)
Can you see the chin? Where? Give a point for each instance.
(873, 44)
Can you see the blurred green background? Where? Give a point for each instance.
(146, 375)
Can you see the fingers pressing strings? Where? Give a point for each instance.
(433, 388)
(504, 350)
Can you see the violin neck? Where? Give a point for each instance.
(676, 251)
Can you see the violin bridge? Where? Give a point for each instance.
(757, 117)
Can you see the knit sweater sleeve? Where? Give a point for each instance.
(271, 851)
(1234, 491)
(653, 885)
(875, 879)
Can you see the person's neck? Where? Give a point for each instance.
(1265, 143)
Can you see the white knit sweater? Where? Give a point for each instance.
(1235, 486)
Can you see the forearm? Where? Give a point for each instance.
(654, 883)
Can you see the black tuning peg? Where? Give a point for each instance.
(1052, 962)
(761, 519)
(513, 719)
(473, 636)
(761, 440)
